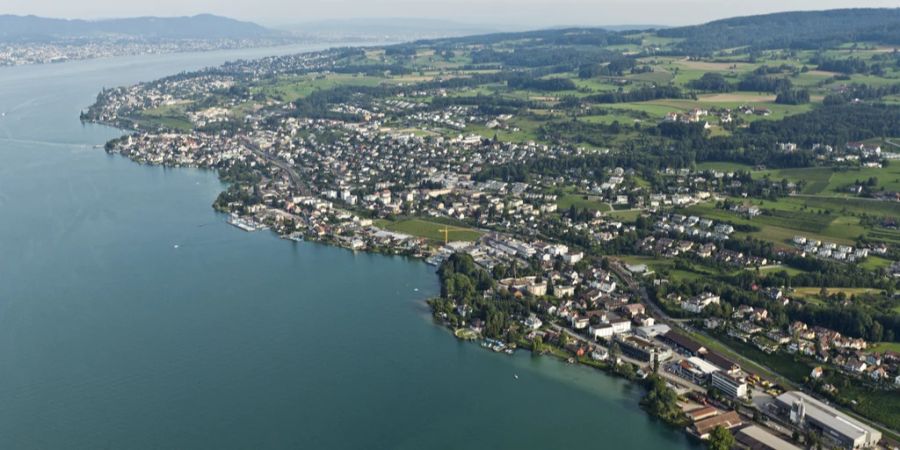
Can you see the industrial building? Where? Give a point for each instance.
(731, 383)
(757, 438)
(805, 411)
(642, 349)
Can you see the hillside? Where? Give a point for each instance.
(797, 30)
(204, 26)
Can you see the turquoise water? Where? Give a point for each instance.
(111, 337)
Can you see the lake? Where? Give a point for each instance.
(133, 317)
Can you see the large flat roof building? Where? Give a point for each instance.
(807, 411)
(757, 438)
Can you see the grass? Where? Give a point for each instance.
(885, 347)
(624, 216)
(832, 219)
(738, 356)
(875, 262)
(827, 180)
(291, 88)
(169, 116)
(779, 226)
(659, 108)
(591, 203)
(724, 166)
(429, 230)
(814, 291)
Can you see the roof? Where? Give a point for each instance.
(702, 365)
(684, 341)
(719, 360)
(829, 417)
(730, 419)
(759, 439)
(702, 412)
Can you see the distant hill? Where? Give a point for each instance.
(204, 26)
(799, 30)
(391, 26)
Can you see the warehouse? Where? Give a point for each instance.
(806, 411)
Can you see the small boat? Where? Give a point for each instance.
(175, 246)
(516, 376)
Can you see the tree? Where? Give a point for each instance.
(563, 338)
(720, 439)
(537, 345)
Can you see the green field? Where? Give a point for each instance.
(291, 88)
(591, 203)
(429, 230)
(826, 180)
(169, 116)
(814, 291)
(780, 226)
(831, 219)
(722, 166)
(885, 347)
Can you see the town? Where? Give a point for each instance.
(708, 279)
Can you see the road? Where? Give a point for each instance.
(661, 315)
(657, 312)
(293, 176)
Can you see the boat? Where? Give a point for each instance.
(516, 375)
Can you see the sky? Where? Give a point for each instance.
(501, 13)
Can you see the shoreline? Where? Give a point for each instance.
(555, 352)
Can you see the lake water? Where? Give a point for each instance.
(113, 338)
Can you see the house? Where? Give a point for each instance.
(817, 373)
(633, 309)
(601, 331)
(703, 428)
(533, 322)
(700, 302)
(580, 322)
(620, 325)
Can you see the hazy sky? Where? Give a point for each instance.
(507, 13)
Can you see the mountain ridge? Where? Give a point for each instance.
(201, 26)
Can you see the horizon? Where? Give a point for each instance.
(494, 14)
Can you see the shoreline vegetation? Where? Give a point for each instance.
(659, 401)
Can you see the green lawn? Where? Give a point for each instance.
(724, 166)
(169, 116)
(429, 230)
(814, 291)
(591, 203)
(885, 347)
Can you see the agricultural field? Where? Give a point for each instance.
(291, 88)
(827, 180)
(169, 116)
